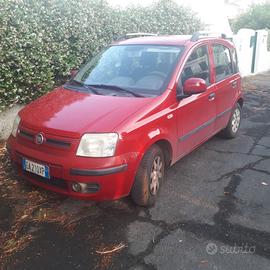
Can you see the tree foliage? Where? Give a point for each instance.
(257, 17)
(41, 40)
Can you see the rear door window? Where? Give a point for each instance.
(223, 62)
(234, 61)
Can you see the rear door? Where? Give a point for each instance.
(227, 82)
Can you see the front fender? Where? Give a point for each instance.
(138, 140)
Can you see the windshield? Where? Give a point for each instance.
(143, 69)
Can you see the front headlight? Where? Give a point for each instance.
(15, 125)
(97, 145)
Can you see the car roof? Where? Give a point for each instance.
(157, 40)
(169, 40)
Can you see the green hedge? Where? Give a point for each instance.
(41, 40)
(256, 17)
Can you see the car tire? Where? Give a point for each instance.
(232, 128)
(149, 177)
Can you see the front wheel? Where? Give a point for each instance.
(233, 126)
(149, 177)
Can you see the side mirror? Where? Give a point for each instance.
(194, 86)
(73, 73)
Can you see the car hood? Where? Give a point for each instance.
(69, 113)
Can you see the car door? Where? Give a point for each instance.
(195, 114)
(227, 82)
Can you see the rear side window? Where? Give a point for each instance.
(223, 62)
(197, 65)
(234, 61)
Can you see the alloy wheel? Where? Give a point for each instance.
(236, 118)
(156, 175)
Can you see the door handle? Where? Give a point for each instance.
(234, 84)
(211, 96)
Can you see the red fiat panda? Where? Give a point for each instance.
(136, 108)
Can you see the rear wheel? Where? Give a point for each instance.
(233, 126)
(149, 177)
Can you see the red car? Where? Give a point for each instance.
(136, 108)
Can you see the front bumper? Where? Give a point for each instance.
(107, 178)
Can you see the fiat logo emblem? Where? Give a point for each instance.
(39, 138)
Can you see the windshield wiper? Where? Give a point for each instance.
(85, 86)
(115, 88)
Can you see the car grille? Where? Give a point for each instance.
(49, 141)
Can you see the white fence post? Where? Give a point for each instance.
(244, 46)
(251, 47)
(262, 56)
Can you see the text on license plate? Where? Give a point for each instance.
(35, 168)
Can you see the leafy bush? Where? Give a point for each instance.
(256, 17)
(41, 40)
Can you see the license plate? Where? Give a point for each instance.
(35, 168)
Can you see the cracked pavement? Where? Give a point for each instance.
(213, 211)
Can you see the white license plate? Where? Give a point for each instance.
(35, 168)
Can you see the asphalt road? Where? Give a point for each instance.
(213, 211)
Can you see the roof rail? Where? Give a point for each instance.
(139, 34)
(202, 34)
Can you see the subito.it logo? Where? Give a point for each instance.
(211, 249)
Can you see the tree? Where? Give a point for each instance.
(256, 17)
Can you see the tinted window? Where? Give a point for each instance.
(223, 62)
(144, 69)
(197, 65)
(234, 61)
